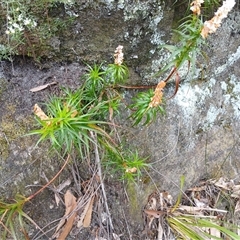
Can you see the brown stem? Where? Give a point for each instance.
(137, 87)
(41, 189)
(148, 86)
(170, 74)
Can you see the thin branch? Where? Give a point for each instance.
(97, 158)
(54, 178)
(130, 237)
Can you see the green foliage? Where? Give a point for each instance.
(194, 227)
(12, 215)
(99, 87)
(141, 109)
(128, 165)
(110, 103)
(209, 6)
(210, 3)
(133, 166)
(190, 42)
(117, 73)
(72, 117)
(94, 81)
(70, 122)
(30, 25)
(6, 51)
(188, 48)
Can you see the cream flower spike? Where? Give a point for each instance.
(212, 25)
(196, 6)
(118, 55)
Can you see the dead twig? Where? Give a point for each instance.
(52, 180)
(130, 237)
(97, 158)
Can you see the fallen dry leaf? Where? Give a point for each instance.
(237, 207)
(83, 214)
(40, 113)
(88, 216)
(116, 237)
(223, 183)
(66, 223)
(131, 170)
(42, 87)
(154, 213)
(59, 188)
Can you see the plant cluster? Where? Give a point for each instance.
(8, 211)
(127, 165)
(29, 25)
(69, 120)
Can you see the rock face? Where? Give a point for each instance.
(198, 137)
(140, 26)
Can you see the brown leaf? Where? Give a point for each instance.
(88, 216)
(154, 213)
(85, 210)
(116, 237)
(66, 223)
(40, 113)
(177, 81)
(131, 170)
(237, 207)
(42, 87)
(59, 188)
(110, 113)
